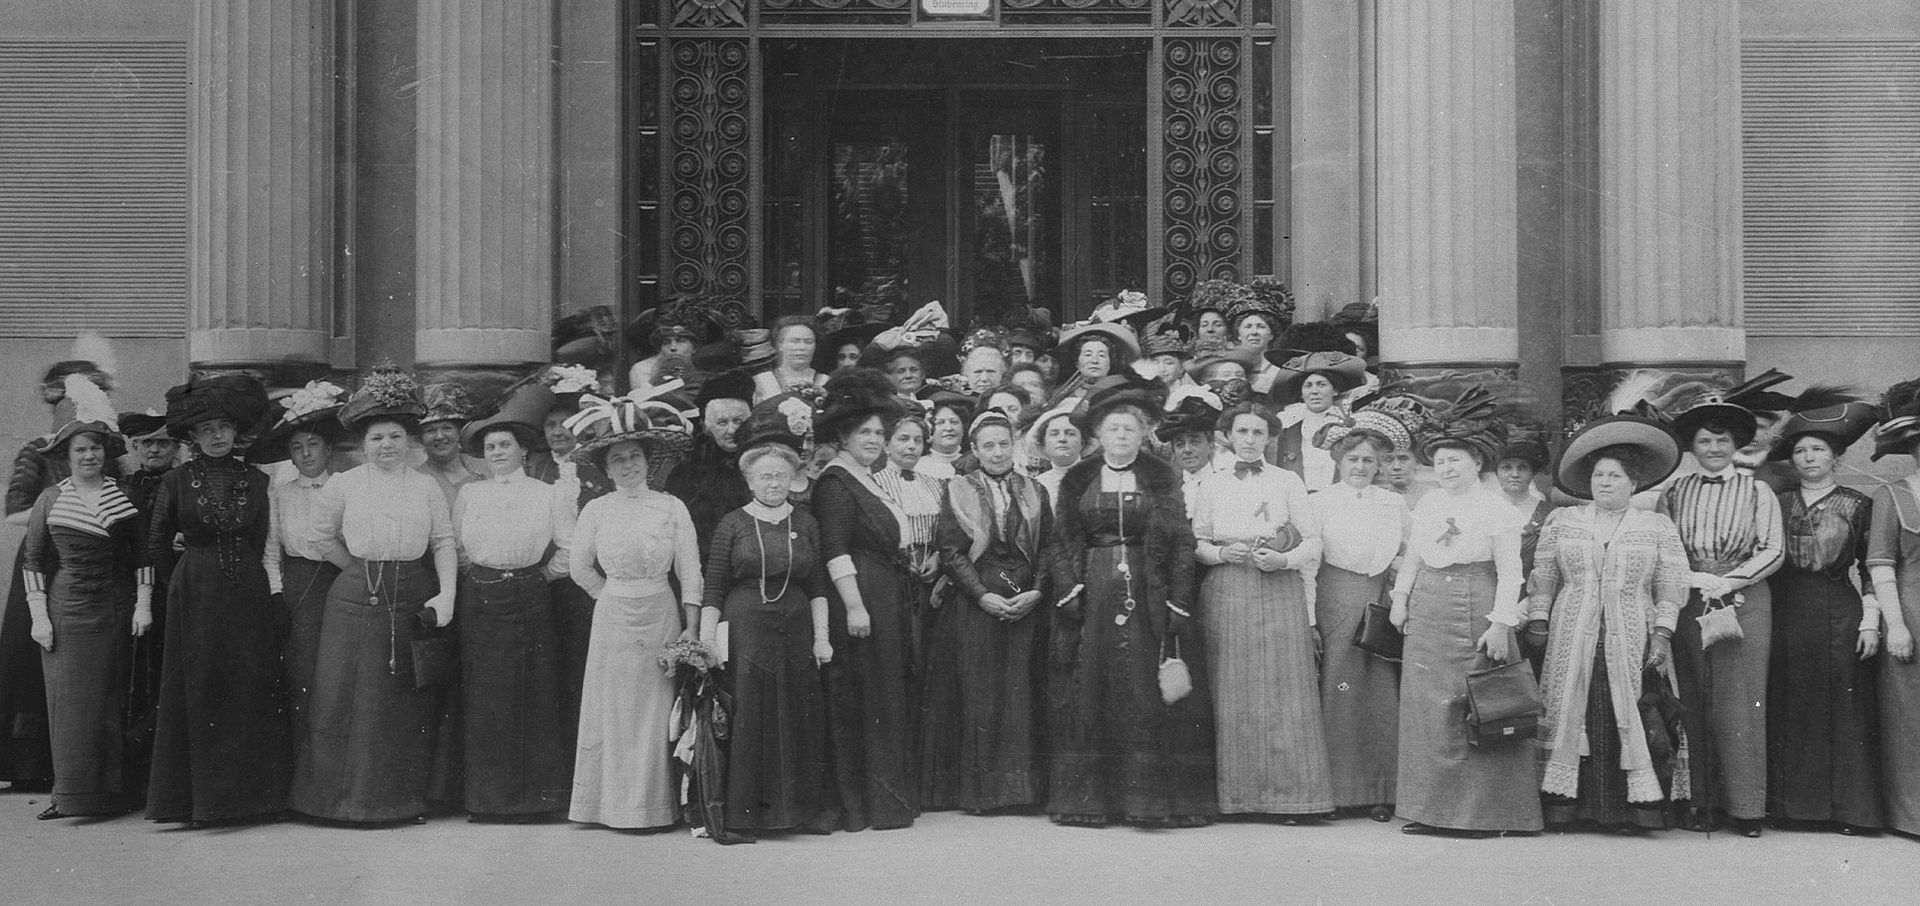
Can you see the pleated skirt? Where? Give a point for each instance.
(1268, 736)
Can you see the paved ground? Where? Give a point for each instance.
(945, 858)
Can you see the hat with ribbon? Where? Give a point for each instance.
(1343, 371)
(1839, 425)
(646, 417)
(785, 419)
(1129, 307)
(315, 407)
(1191, 409)
(1469, 423)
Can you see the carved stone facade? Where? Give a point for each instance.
(1201, 163)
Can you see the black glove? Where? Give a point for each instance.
(1177, 624)
(429, 620)
(279, 599)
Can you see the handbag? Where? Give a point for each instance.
(1720, 622)
(1176, 682)
(1503, 704)
(436, 659)
(1375, 634)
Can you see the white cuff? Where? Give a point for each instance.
(841, 567)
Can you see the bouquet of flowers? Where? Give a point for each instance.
(697, 656)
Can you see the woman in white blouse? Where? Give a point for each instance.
(366, 755)
(517, 761)
(1458, 599)
(1363, 529)
(623, 550)
(1256, 534)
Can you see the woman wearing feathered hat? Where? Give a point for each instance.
(367, 753)
(1893, 559)
(78, 567)
(623, 550)
(517, 762)
(1458, 600)
(1729, 523)
(1363, 532)
(1125, 748)
(305, 430)
(1607, 584)
(1822, 713)
(864, 536)
(222, 747)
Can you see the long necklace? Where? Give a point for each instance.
(763, 560)
(1125, 569)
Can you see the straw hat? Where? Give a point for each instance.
(1647, 435)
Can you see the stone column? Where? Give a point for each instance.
(1447, 256)
(484, 206)
(261, 159)
(1669, 186)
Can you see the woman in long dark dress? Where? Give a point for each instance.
(222, 747)
(81, 548)
(367, 753)
(871, 709)
(764, 578)
(986, 667)
(1122, 564)
(1823, 721)
(517, 762)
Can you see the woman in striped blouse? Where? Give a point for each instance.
(1730, 525)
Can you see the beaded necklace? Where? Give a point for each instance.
(222, 500)
(762, 541)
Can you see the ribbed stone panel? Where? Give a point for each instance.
(485, 236)
(260, 279)
(1447, 241)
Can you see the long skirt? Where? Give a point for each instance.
(222, 744)
(516, 762)
(1603, 785)
(1823, 720)
(1899, 688)
(1444, 780)
(1725, 693)
(26, 756)
(623, 769)
(872, 700)
(1117, 749)
(1359, 693)
(777, 770)
(573, 631)
(87, 673)
(981, 740)
(1271, 748)
(307, 584)
(368, 748)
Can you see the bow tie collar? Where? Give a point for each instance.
(1243, 469)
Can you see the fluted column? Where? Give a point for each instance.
(1669, 183)
(261, 158)
(1447, 252)
(485, 186)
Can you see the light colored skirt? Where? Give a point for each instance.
(1271, 749)
(623, 768)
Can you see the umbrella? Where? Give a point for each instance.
(699, 729)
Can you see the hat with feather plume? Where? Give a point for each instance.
(1469, 423)
(92, 414)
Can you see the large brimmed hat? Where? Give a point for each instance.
(237, 397)
(1343, 371)
(148, 425)
(315, 407)
(1840, 425)
(1129, 307)
(1901, 408)
(1191, 409)
(1527, 442)
(1126, 345)
(386, 392)
(524, 412)
(785, 419)
(1038, 339)
(447, 402)
(938, 357)
(663, 431)
(1167, 343)
(92, 414)
(756, 347)
(1646, 435)
(1732, 408)
(1248, 359)
(826, 353)
(1122, 388)
(1469, 423)
(852, 395)
(683, 317)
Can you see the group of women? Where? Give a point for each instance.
(1156, 583)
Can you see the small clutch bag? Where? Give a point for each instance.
(1176, 682)
(1283, 539)
(1720, 622)
(1503, 704)
(436, 660)
(1376, 635)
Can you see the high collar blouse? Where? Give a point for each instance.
(1316, 464)
(1729, 523)
(386, 516)
(508, 522)
(1362, 530)
(626, 543)
(295, 529)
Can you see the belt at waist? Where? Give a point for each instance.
(289, 558)
(487, 575)
(1103, 539)
(1476, 568)
(636, 588)
(1717, 567)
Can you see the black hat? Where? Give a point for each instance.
(386, 392)
(237, 397)
(1840, 424)
(524, 412)
(785, 419)
(1122, 388)
(852, 395)
(315, 407)
(1468, 423)
(1901, 408)
(1196, 410)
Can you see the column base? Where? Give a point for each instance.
(1440, 383)
(481, 347)
(486, 385)
(249, 346)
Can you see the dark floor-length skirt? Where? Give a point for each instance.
(1444, 780)
(516, 759)
(981, 739)
(26, 755)
(573, 629)
(368, 752)
(1359, 693)
(222, 743)
(86, 674)
(1603, 785)
(777, 770)
(1725, 693)
(306, 584)
(1118, 751)
(871, 701)
(1822, 714)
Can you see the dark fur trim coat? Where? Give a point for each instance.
(1169, 544)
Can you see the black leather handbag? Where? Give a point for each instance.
(1503, 704)
(1375, 633)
